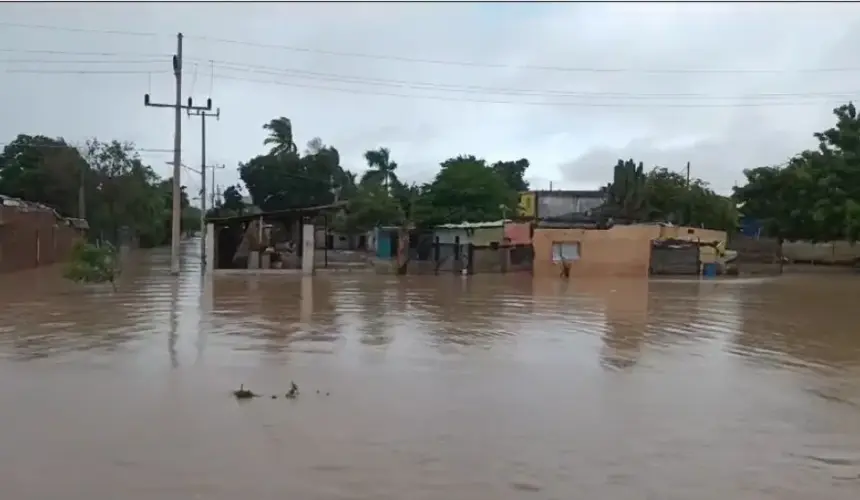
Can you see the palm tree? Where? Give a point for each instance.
(280, 136)
(381, 168)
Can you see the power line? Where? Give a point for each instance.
(71, 146)
(85, 53)
(82, 61)
(617, 96)
(313, 75)
(78, 30)
(415, 85)
(585, 104)
(86, 72)
(509, 66)
(415, 60)
(434, 86)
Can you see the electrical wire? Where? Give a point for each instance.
(829, 97)
(414, 60)
(314, 76)
(85, 71)
(417, 85)
(87, 53)
(584, 104)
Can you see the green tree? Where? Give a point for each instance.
(626, 194)
(816, 196)
(280, 136)
(232, 200)
(372, 206)
(670, 197)
(43, 170)
(283, 179)
(465, 189)
(381, 169)
(512, 173)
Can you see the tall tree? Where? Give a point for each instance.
(466, 189)
(372, 206)
(816, 196)
(381, 169)
(670, 197)
(626, 198)
(280, 136)
(283, 179)
(44, 170)
(512, 173)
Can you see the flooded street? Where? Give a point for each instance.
(491, 387)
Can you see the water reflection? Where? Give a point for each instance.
(485, 387)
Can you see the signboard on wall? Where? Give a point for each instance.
(526, 207)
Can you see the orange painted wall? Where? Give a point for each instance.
(620, 251)
(518, 233)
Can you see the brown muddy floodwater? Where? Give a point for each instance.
(491, 387)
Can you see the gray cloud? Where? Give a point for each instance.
(718, 121)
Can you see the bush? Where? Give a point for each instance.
(93, 264)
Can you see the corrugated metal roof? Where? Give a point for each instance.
(474, 225)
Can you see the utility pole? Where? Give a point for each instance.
(175, 233)
(82, 205)
(203, 114)
(213, 167)
(689, 198)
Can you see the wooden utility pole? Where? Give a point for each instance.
(175, 233)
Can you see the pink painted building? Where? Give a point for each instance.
(518, 233)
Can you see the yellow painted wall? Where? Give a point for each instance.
(620, 251)
(697, 234)
(527, 205)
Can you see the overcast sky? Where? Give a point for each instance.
(570, 87)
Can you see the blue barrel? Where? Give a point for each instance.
(709, 270)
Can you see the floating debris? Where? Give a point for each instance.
(274, 396)
(326, 394)
(294, 391)
(243, 393)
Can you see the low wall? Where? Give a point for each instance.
(756, 255)
(33, 238)
(831, 252)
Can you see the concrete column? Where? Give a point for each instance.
(210, 248)
(308, 249)
(307, 300)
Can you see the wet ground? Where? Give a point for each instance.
(492, 387)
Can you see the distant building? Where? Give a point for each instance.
(544, 204)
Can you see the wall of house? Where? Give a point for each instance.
(485, 236)
(450, 236)
(480, 236)
(556, 203)
(691, 233)
(518, 233)
(383, 244)
(33, 238)
(619, 251)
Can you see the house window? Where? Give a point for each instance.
(565, 251)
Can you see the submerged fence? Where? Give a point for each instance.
(430, 257)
